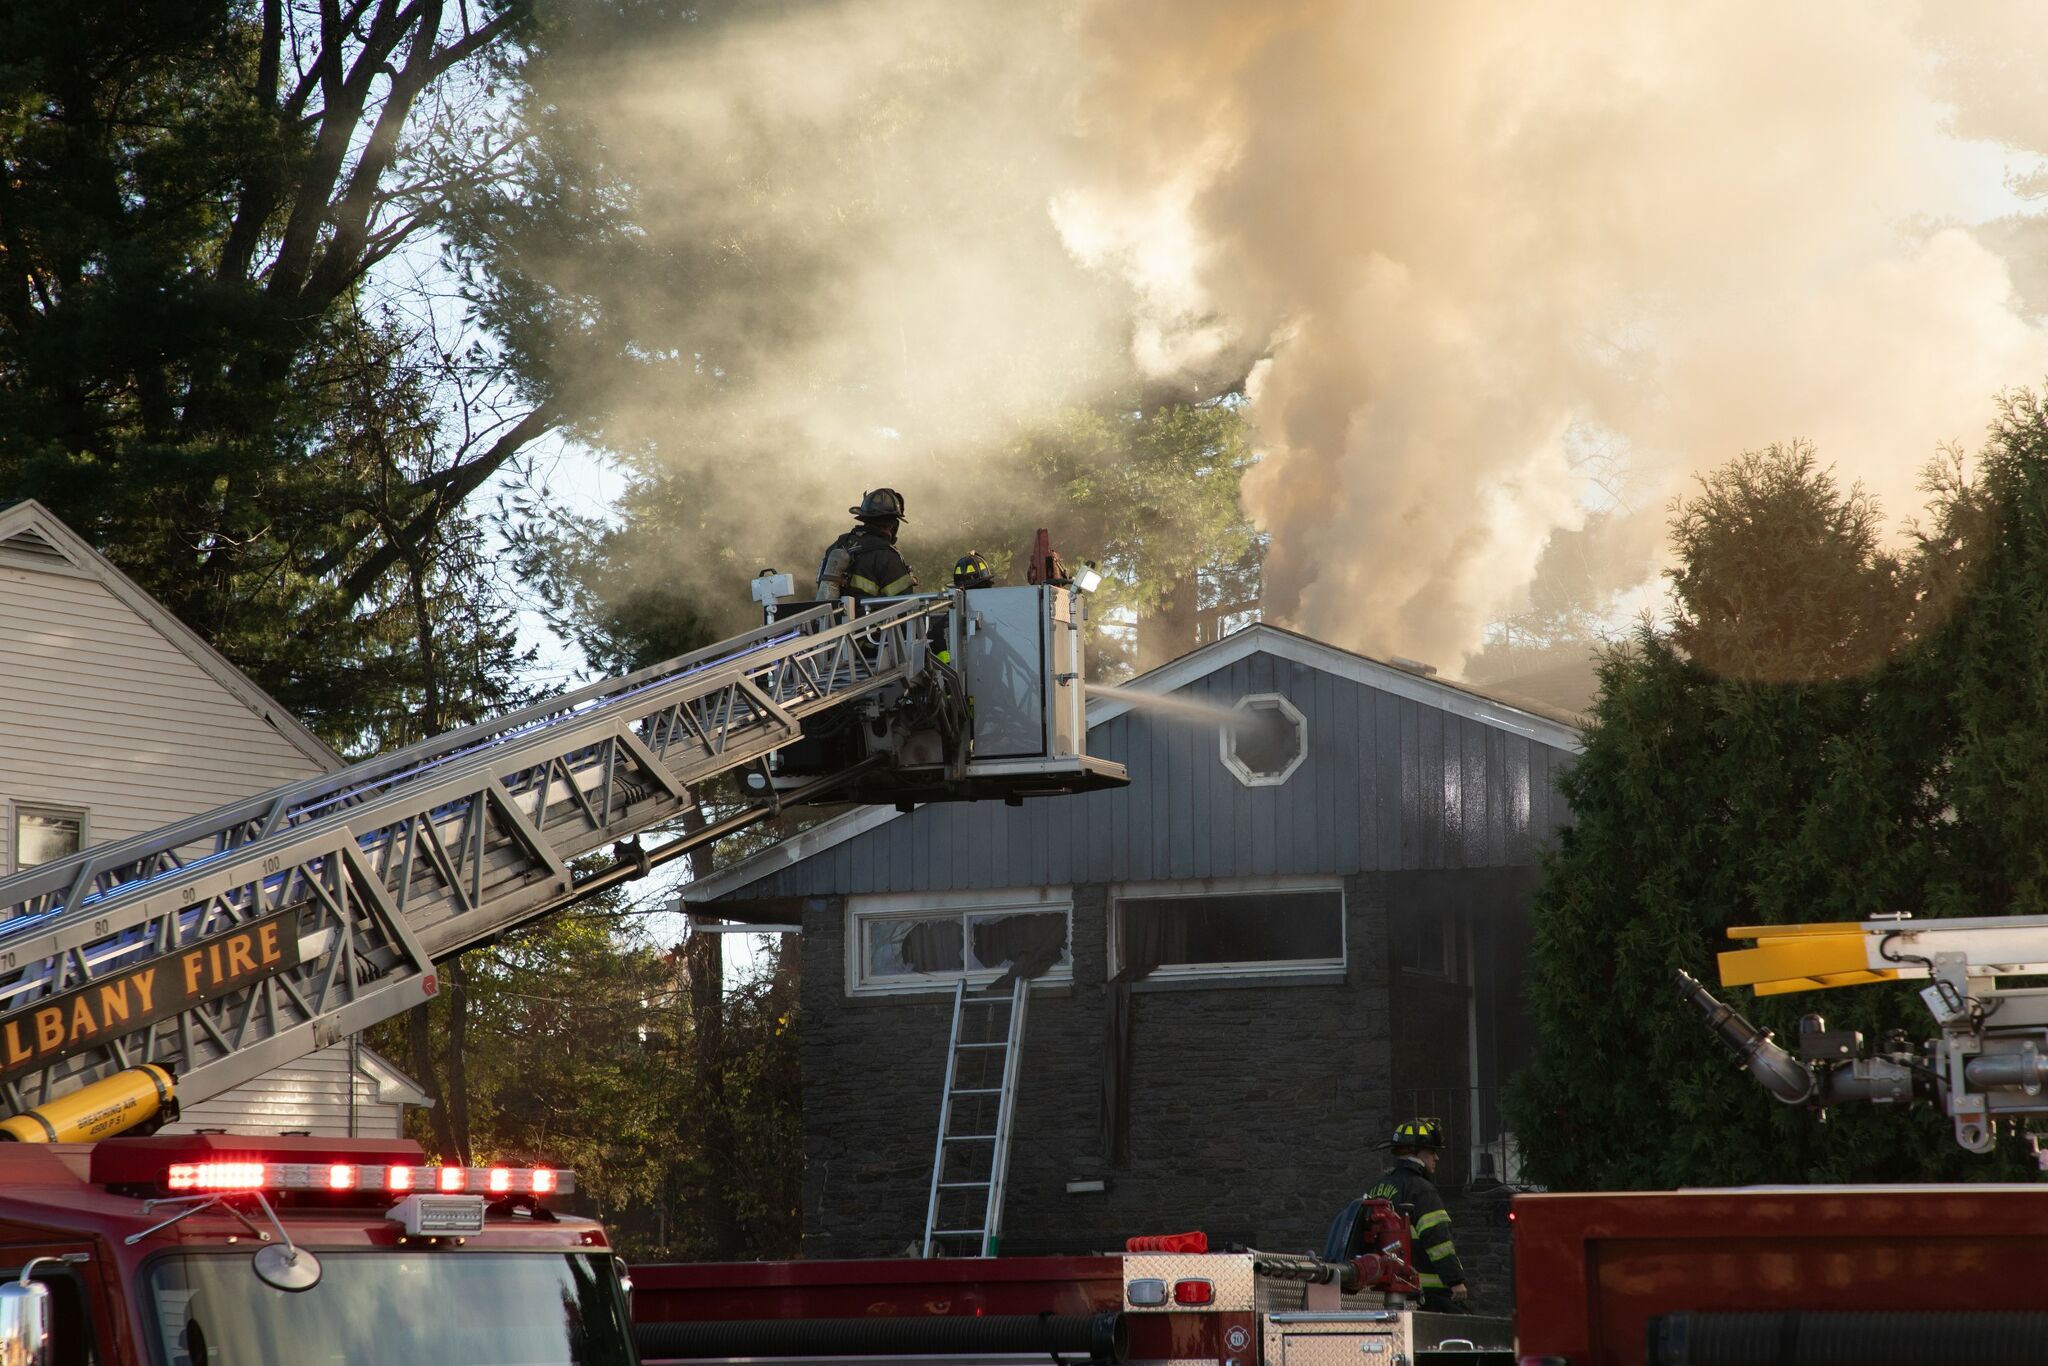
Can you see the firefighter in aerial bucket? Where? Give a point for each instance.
(969, 571)
(1418, 1145)
(864, 563)
(972, 571)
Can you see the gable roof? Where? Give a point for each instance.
(393, 1086)
(1559, 730)
(32, 537)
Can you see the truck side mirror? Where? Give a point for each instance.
(25, 1320)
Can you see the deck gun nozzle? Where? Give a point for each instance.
(1783, 1075)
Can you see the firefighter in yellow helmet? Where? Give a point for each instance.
(1418, 1145)
(864, 563)
(969, 571)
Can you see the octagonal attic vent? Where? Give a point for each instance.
(1268, 743)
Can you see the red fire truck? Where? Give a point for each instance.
(1161, 1300)
(206, 1250)
(211, 1250)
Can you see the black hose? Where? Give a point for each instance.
(1873, 1338)
(1103, 1338)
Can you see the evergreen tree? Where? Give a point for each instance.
(1791, 749)
(194, 198)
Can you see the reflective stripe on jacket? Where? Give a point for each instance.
(1408, 1186)
(874, 567)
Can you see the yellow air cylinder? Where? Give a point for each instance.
(105, 1108)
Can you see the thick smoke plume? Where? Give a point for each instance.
(1477, 241)
(1471, 245)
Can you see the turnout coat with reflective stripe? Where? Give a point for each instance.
(874, 568)
(1407, 1184)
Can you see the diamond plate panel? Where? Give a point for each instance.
(1344, 1340)
(1229, 1272)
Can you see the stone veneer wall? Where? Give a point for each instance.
(1255, 1103)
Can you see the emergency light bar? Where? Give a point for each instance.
(394, 1178)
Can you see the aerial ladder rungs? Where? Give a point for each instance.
(324, 905)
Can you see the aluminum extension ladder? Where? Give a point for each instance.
(971, 1161)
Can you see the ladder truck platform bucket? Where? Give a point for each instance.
(993, 708)
(227, 944)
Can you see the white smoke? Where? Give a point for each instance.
(1464, 241)
(1463, 232)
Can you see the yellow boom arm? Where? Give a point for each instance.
(1850, 953)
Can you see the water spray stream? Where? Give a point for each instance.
(1177, 706)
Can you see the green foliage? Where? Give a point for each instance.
(1863, 743)
(1781, 576)
(1152, 499)
(194, 195)
(676, 1105)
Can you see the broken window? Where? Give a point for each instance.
(44, 834)
(1426, 942)
(1252, 931)
(906, 949)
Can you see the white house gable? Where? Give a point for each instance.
(113, 717)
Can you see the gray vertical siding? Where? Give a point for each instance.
(1389, 784)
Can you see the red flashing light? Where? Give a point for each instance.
(335, 1173)
(216, 1176)
(1194, 1292)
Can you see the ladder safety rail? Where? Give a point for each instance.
(49, 888)
(224, 946)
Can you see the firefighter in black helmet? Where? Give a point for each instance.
(864, 563)
(972, 571)
(1418, 1144)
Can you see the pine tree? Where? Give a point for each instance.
(1802, 744)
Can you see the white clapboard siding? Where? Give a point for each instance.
(99, 710)
(311, 1096)
(110, 706)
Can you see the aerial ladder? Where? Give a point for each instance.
(184, 962)
(1987, 1065)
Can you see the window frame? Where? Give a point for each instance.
(1234, 887)
(1226, 736)
(17, 809)
(864, 908)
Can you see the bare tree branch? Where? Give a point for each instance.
(448, 489)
